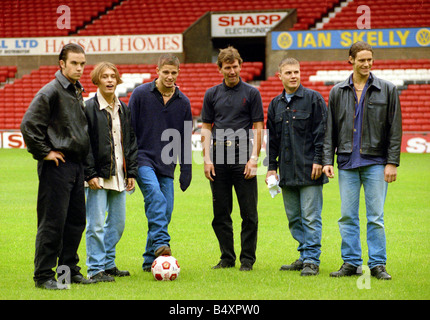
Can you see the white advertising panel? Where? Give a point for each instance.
(252, 24)
(116, 44)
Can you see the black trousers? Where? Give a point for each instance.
(61, 218)
(226, 177)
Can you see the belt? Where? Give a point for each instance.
(226, 143)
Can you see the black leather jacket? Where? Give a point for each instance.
(100, 161)
(382, 121)
(55, 121)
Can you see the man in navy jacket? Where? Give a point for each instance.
(296, 123)
(161, 118)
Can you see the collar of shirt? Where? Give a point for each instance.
(155, 90)
(298, 93)
(104, 104)
(368, 82)
(235, 88)
(66, 82)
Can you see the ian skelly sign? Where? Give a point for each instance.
(343, 39)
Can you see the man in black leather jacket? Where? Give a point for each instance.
(364, 127)
(55, 131)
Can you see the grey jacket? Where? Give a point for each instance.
(382, 122)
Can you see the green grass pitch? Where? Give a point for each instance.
(407, 222)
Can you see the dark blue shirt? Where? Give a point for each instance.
(151, 118)
(233, 111)
(355, 159)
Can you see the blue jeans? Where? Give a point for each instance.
(375, 191)
(158, 195)
(303, 206)
(102, 236)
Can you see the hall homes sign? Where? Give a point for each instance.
(115, 44)
(251, 24)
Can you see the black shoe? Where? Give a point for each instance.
(295, 266)
(379, 272)
(223, 264)
(50, 285)
(79, 278)
(245, 267)
(310, 269)
(117, 273)
(146, 269)
(346, 270)
(102, 277)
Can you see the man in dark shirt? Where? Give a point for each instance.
(296, 122)
(54, 129)
(230, 111)
(162, 121)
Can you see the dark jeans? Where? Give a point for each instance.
(60, 218)
(228, 176)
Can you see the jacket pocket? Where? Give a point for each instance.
(300, 120)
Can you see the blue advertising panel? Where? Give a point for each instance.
(343, 39)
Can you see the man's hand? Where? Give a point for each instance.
(94, 183)
(209, 171)
(130, 184)
(271, 173)
(250, 169)
(329, 171)
(316, 171)
(55, 156)
(390, 173)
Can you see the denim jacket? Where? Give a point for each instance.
(295, 134)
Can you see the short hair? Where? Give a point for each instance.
(228, 55)
(97, 72)
(168, 59)
(288, 61)
(70, 47)
(357, 47)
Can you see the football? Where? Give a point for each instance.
(165, 268)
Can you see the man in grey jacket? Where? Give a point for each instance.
(55, 131)
(364, 126)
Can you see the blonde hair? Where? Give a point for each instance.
(100, 68)
(288, 61)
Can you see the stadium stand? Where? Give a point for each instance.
(411, 76)
(385, 14)
(17, 18)
(99, 17)
(104, 17)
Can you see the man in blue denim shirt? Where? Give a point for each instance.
(296, 124)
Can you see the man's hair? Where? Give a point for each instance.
(169, 59)
(287, 61)
(100, 68)
(228, 55)
(70, 47)
(357, 47)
